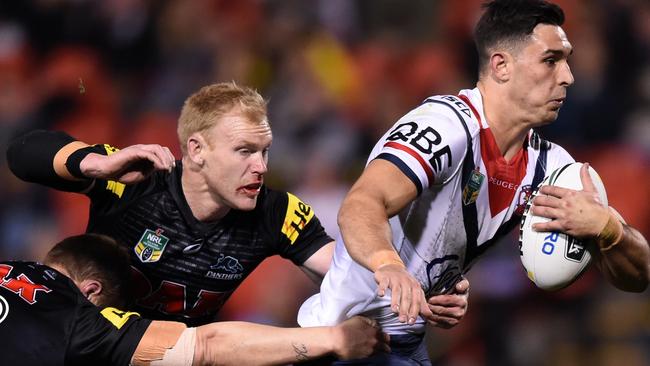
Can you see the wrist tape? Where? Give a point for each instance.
(74, 160)
(611, 234)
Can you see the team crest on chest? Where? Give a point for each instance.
(522, 200)
(151, 246)
(473, 186)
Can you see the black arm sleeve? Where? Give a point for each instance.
(30, 157)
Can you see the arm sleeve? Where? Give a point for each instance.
(30, 157)
(294, 228)
(428, 144)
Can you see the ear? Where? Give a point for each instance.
(196, 144)
(501, 66)
(91, 289)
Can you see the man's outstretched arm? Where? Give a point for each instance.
(242, 343)
(57, 160)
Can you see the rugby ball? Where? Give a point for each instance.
(553, 260)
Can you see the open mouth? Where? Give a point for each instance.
(252, 189)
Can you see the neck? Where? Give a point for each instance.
(204, 205)
(509, 128)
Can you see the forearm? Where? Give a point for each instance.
(625, 259)
(366, 232)
(241, 343)
(40, 157)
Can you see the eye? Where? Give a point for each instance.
(551, 61)
(244, 152)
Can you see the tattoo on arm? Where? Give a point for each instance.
(301, 351)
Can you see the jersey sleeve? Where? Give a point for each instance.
(428, 144)
(293, 227)
(104, 336)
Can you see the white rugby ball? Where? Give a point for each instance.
(553, 260)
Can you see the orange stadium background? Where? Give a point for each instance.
(337, 74)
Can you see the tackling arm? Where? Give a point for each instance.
(241, 343)
(59, 161)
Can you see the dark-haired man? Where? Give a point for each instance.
(53, 322)
(444, 184)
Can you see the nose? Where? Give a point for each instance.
(260, 163)
(565, 75)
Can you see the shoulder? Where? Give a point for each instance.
(429, 142)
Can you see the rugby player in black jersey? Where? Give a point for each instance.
(47, 320)
(195, 228)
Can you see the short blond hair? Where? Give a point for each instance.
(204, 108)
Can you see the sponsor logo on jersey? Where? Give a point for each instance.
(226, 268)
(524, 196)
(472, 188)
(4, 309)
(575, 251)
(151, 246)
(21, 285)
(297, 217)
(117, 317)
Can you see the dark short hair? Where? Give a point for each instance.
(511, 21)
(98, 257)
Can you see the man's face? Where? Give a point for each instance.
(541, 74)
(236, 159)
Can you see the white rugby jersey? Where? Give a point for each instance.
(468, 197)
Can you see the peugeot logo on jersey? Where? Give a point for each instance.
(4, 309)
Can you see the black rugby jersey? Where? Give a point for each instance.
(45, 320)
(185, 270)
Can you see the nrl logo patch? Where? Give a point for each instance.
(473, 186)
(151, 246)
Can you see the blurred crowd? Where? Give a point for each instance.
(336, 74)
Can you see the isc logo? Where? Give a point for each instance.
(549, 243)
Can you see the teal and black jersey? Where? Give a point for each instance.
(45, 320)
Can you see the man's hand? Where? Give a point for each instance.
(577, 213)
(129, 165)
(449, 309)
(407, 297)
(359, 337)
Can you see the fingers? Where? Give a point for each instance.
(381, 290)
(462, 287)
(554, 191)
(160, 156)
(585, 178)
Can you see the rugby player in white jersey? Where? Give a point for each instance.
(452, 176)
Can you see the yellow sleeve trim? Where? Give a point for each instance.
(116, 187)
(117, 317)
